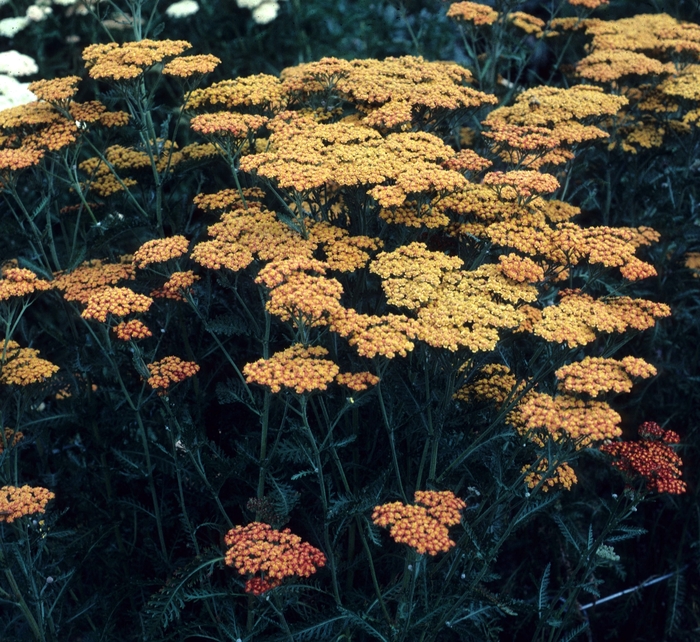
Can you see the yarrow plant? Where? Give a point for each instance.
(247, 319)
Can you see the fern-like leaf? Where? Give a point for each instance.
(542, 598)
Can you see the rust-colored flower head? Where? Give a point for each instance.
(357, 381)
(169, 371)
(652, 458)
(11, 439)
(270, 555)
(176, 285)
(423, 526)
(18, 501)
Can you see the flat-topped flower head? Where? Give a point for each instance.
(57, 91)
(270, 555)
(128, 61)
(191, 66)
(18, 501)
(115, 301)
(169, 371)
(423, 526)
(176, 286)
(652, 458)
(23, 366)
(131, 330)
(160, 250)
(597, 375)
(17, 282)
(298, 368)
(477, 14)
(90, 276)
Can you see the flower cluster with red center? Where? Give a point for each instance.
(259, 548)
(422, 526)
(651, 457)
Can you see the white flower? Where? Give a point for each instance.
(14, 63)
(266, 12)
(37, 13)
(13, 92)
(65, 3)
(249, 4)
(10, 26)
(182, 9)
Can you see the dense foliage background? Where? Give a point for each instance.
(148, 479)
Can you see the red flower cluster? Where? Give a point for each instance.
(651, 457)
(259, 548)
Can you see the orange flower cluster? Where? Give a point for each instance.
(189, 66)
(91, 276)
(423, 526)
(259, 548)
(102, 177)
(357, 381)
(523, 183)
(577, 316)
(115, 301)
(16, 159)
(22, 366)
(261, 90)
(20, 282)
(18, 501)
(11, 439)
(134, 329)
(595, 375)
(226, 123)
(173, 288)
(58, 91)
(244, 233)
(299, 368)
(479, 14)
(562, 476)
(129, 60)
(608, 65)
(530, 24)
(170, 370)
(494, 383)
(565, 415)
(692, 262)
(160, 250)
(651, 457)
(344, 253)
(520, 269)
(588, 4)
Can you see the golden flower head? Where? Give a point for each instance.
(130, 330)
(174, 287)
(298, 368)
(595, 375)
(478, 14)
(563, 476)
(57, 91)
(23, 366)
(115, 301)
(160, 250)
(188, 66)
(20, 282)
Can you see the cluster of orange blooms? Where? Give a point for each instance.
(563, 476)
(20, 282)
(423, 525)
(115, 301)
(132, 329)
(10, 438)
(595, 375)
(260, 549)
(170, 370)
(18, 501)
(23, 366)
(651, 458)
(160, 251)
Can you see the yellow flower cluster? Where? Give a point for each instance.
(259, 548)
(133, 329)
(226, 123)
(479, 14)
(371, 335)
(523, 183)
(344, 253)
(189, 66)
(608, 65)
(173, 288)
(299, 368)
(595, 375)
(90, 276)
(576, 317)
(562, 476)
(530, 24)
(58, 91)
(20, 282)
(588, 4)
(520, 269)
(129, 60)
(23, 366)
(692, 262)
(18, 501)
(170, 370)
(261, 90)
(494, 383)
(160, 250)
(423, 526)
(115, 301)
(101, 176)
